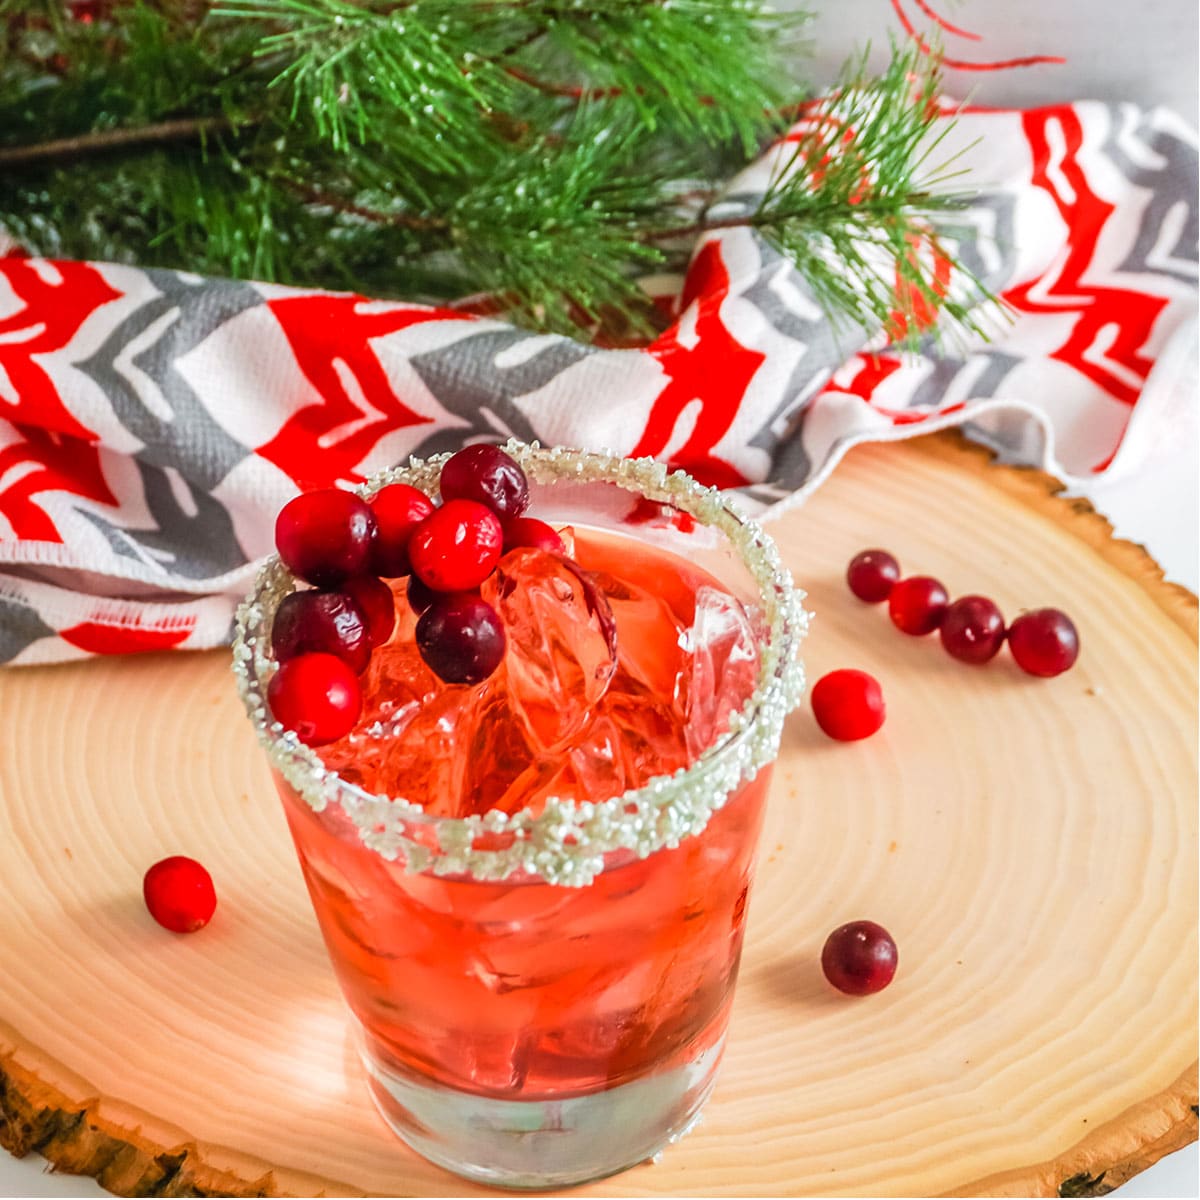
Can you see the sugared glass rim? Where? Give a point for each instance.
(566, 843)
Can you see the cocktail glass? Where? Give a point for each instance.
(542, 996)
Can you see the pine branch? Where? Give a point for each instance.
(542, 150)
(106, 141)
(861, 204)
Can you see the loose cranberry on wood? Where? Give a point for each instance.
(179, 894)
(1044, 642)
(860, 958)
(872, 574)
(918, 605)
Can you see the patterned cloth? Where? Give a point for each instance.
(152, 422)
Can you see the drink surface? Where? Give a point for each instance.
(523, 989)
(568, 714)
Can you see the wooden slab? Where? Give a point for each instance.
(1031, 844)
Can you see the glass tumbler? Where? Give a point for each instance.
(542, 997)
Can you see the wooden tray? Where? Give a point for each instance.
(1031, 844)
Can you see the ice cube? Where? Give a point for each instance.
(421, 757)
(504, 770)
(561, 648)
(396, 679)
(646, 730)
(651, 637)
(396, 685)
(722, 667)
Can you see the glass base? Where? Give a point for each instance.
(542, 1143)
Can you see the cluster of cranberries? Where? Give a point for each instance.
(1043, 642)
(346, 546)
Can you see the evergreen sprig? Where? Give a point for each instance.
(864, 203)
(536, 150)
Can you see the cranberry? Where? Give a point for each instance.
(972, 629)
(420, 597)
(456, 548)
(398, 509)
(179, 893)
(917, 605)
(461, 638)
(488, 476)
(848, 705)
(373, 598)
(317, 696)
(872, 575)
(324, 623)
(325, 536)
(529, 531)
(859, 958)
(1044, 642)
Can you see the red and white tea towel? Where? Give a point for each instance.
(153, 422)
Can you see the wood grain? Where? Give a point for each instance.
(1031, 844)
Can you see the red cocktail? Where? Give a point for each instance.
(534, 889)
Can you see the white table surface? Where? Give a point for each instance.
(1158, 506)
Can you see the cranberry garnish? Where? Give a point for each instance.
(456, 548)
(317, 696)
(1044, 642)
(529, 531)
(398, 509)
(848, 705)
(872, 575)
(487, 475)
(324, 623)
(325, 536)
(917, 605)
(972, 629)
(179, 893)
(373, 598)
(859, 958)
(461, 638)
(420, 597)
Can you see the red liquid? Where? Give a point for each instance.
(522, 989)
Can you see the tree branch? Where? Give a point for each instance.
(312, 195)
(183, 129)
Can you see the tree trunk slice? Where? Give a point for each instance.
(1031, 844)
